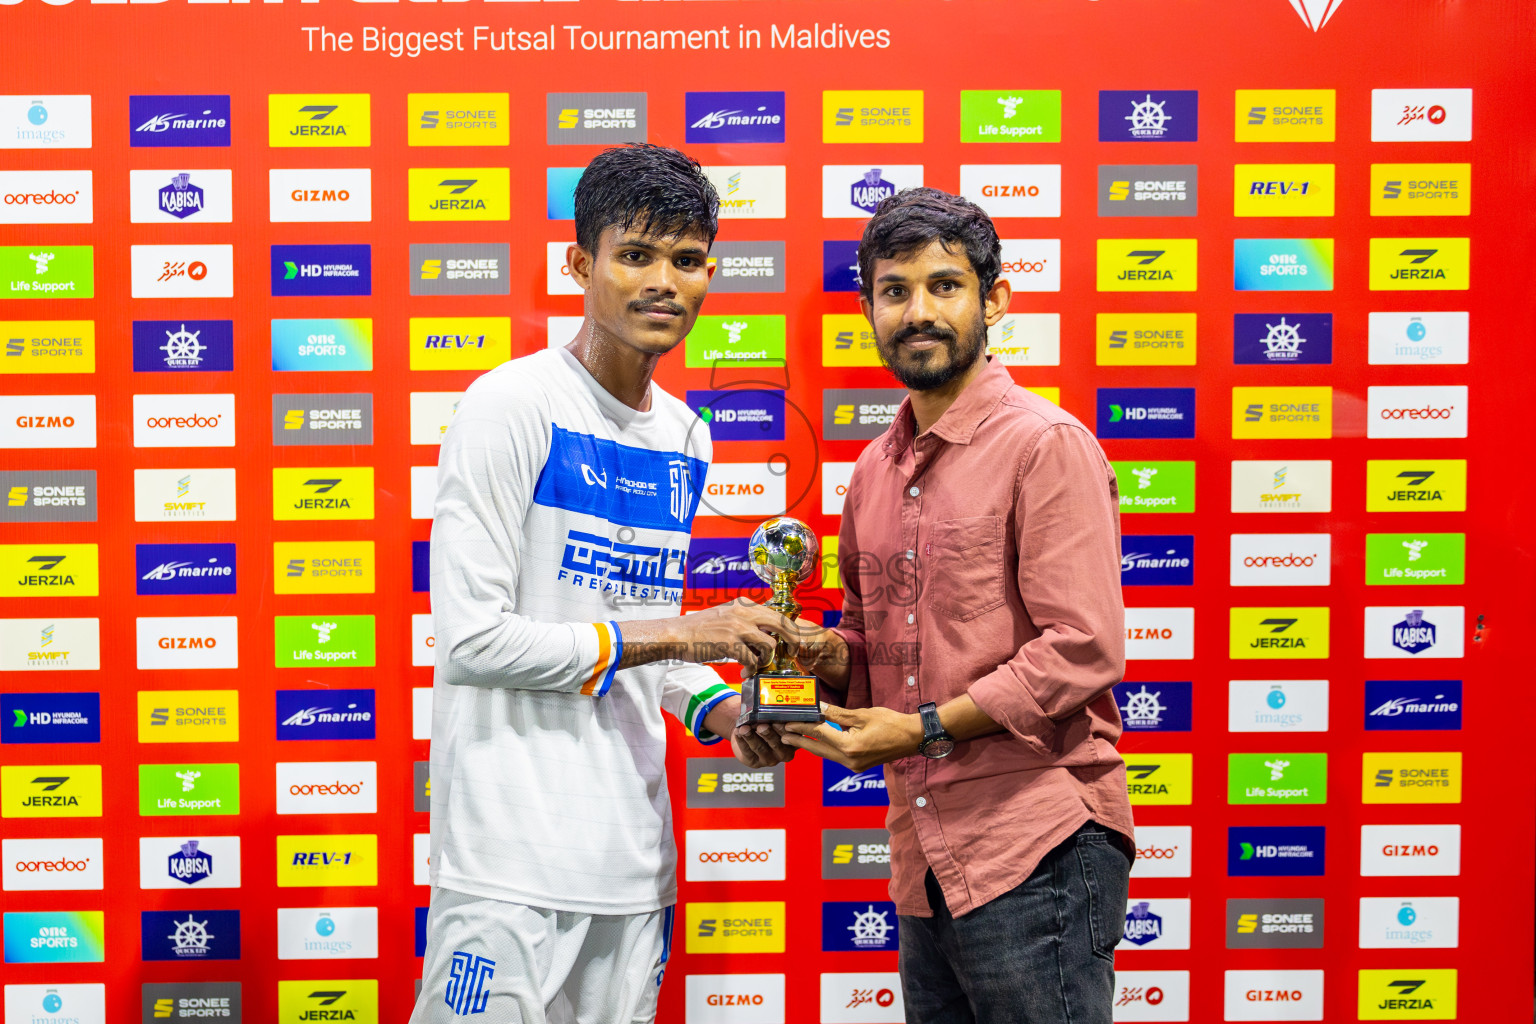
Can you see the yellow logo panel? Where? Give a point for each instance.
(1052, 395)
(50, 791)
(189, 716)
(49, 570)
(848, 340)
(354, 1000)
(735, 927)
(872, 115)
(1160, 778)
(1286, 115)
(460, 343)
(1282, 190)
(323, 567)
(1416, 485)
(327, 860)
(1277, 633)
(1147, 264)
(330, 119)
(831, 578)
(456, 119)
(1282, 412)
(1421, 190)
(48, 346)
(1420, 264)
(460, 193)
(322, 492)
(1410, 993)
(1411, 778)
(1145, 339)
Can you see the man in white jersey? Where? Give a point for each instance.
(567, 486)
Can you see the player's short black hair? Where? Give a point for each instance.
(661, 191)
(907, 222)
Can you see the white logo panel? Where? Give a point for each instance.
(183, 862)
(1420, 922)
(1281, 559)
(421, 713)
(1421, 115)
(173, 495)
(182, 271)
(46, 197)
(423, 491)
(327, 787)
(34, 865)
(1416, 411)
(327, 933)
(47, 421)
(211, 641)
(78, 1004)
(1419, 339)
(743, 489)
(1293, 485)
(1155, 923)
(749, 193)
(319, 195)
(1032, 264)
(30, 121)
(1151, 996)
(735, 999)
(422, 640)
(1162, 851)
(1274, 995)
(835, 478)
(1013, 190)
(1026, 339)
(1277, 705)
(557, 273)
(864, 998)
(180, 196)
(1160, 634)
(57, 645)
(1410, 850)
(1427, 631)
(854, 190)
(430, 413)
(735, 855)
(183, 421)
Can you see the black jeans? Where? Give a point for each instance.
(1042, 953)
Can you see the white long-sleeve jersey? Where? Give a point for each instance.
(560, 513)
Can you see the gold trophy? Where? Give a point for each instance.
(784, 553)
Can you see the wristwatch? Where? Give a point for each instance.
(936, 742)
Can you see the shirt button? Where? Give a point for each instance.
(911, 680)
(921, 801)
(911, 619)
(911, 555)
(914, 491)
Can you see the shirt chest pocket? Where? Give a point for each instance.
(965, 566)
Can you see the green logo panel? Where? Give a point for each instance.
(47, 272)
(1156, 486)
(1277, 778)
(1416, 558)
(181, 789)
(736, 341)
(1010, 115)
(324, 641)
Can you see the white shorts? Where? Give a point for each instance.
(489, 962)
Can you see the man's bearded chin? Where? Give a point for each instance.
(924, 371)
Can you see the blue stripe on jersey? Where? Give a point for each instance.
(625, 485)
(666, 932)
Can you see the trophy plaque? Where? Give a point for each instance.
(784, 553)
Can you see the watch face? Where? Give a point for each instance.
(938, 748)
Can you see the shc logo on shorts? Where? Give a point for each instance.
(467, 978)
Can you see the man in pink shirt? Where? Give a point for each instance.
(982, 631)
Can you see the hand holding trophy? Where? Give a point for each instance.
(784, 554)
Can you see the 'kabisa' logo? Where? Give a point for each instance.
(189, 865)
(1413, 634)
(468, 977)
(1141, 925)
(181, 198)
(867, 193)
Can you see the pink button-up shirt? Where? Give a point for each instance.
(984, 558)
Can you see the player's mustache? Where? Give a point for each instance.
(670, 307)
(931, 331)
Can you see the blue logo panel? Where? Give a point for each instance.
(1283, 339)
(1149, 115)
(50, 718)
(185, 568)
(1276, 851)
(720, 563)
(322, 270)
(859, 926)
(734, 116)
(421, 931)
(839, 266)
(180, 346)
(325, 714)
(560, 189)
(1155, 707)
(421, 566)
(187, 936)
(1157, 560)
(843, 788)
(1401, 704)
(627, 486)
(178, 121)
(1146, 412)
(742, 414)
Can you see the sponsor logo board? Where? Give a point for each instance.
(1275, 924)
(319, 195)
(48, 271)
(594, 118)
(178, 862)
(48, 496)
(1155, 707)
(854, 190)
(48, 346)
(1013, 190)
(1160, 634)
(1285, 115)
(180, 789)
(180, 196)
(50, 791)
(1281, 559)
(178, 121)
(52, 644)
(182, 271)
(742, 267)
(183, 346)
(1149, 190)
(1273, 995)
(55, 937)
(1277, 705)
(50, 718)
(1010, 115)
(327, 787)
(872, 115)
(1276, 851)
(1416, 411)
(1156, 486)
(1416, 485)
(30, 121)
(38, 865)
(46, 197)
(1421, 115)
(457, 119)
(1405, 850)
(1155, 779)
(1420, 264)
(734, 927)
(327, 121)
(1420, 922)
(210, 641)
(1415, 339)
(1410, 704)
(1162, 851)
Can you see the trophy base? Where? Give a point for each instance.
(780, 697)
